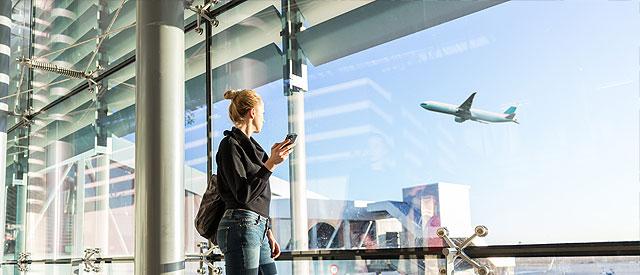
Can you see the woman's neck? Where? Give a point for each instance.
(246, 129)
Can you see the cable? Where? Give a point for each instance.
(53, 68)
(113, 20)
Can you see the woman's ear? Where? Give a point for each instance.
(252, 113)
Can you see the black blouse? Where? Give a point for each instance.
(243, 180)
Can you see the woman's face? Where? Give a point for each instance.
(258, 120)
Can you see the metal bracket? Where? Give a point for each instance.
(206, 251)
(24, 260)
(457, 251)
(24, 115)
(94, 86)
(98, 89)
(203, 12)
(91, 260)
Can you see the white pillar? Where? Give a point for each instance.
(159, 183)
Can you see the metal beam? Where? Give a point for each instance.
(209, 98)
(295, 85)
(600, 249)
(377, 22)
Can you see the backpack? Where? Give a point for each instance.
(210, 212)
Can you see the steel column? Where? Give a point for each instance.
(295, 85)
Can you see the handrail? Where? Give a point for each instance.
(602, 249)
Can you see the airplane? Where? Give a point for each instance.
(464, 112)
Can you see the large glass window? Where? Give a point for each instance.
(81, 166)
(517, 115)
(564, 173)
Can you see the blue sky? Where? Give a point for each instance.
(567, 173)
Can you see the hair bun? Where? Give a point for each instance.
(230, 94)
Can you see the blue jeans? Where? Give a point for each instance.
(242, 240)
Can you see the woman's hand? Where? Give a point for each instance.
(279, 152)
(275, 247)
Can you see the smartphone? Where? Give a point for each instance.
(292, 137)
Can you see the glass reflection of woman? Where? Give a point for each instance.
(244, 234)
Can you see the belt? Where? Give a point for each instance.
(233, 212)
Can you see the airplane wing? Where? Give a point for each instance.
(467, 103)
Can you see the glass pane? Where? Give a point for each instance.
(246, 56)
(382, 266)
(577, 265)
(195, 147)
(81, 36)
(609, 265)
(98, 136)
(19, 79)
(38, 269)
(15, 192)
(80, 192)
(117, 268)
(60, 140)
(110, 174)
(618, 265)
(380, 153)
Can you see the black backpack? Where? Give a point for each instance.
(210, 212)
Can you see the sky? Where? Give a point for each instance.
(567, 173)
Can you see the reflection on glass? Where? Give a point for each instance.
(614, 265)
(51, 269)
(57, 148)
(84, 146)
(15, 179)
(19, 79)
(84, 36)
(195, 168)
(558, 265)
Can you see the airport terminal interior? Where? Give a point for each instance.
(434, 137)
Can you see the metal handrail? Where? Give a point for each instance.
(630, 248)
(602, 249)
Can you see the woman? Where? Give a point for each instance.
(244, 235)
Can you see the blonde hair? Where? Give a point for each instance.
(241, 102)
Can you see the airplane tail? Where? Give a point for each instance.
(511, 110)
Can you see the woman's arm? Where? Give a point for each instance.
(275, 247)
